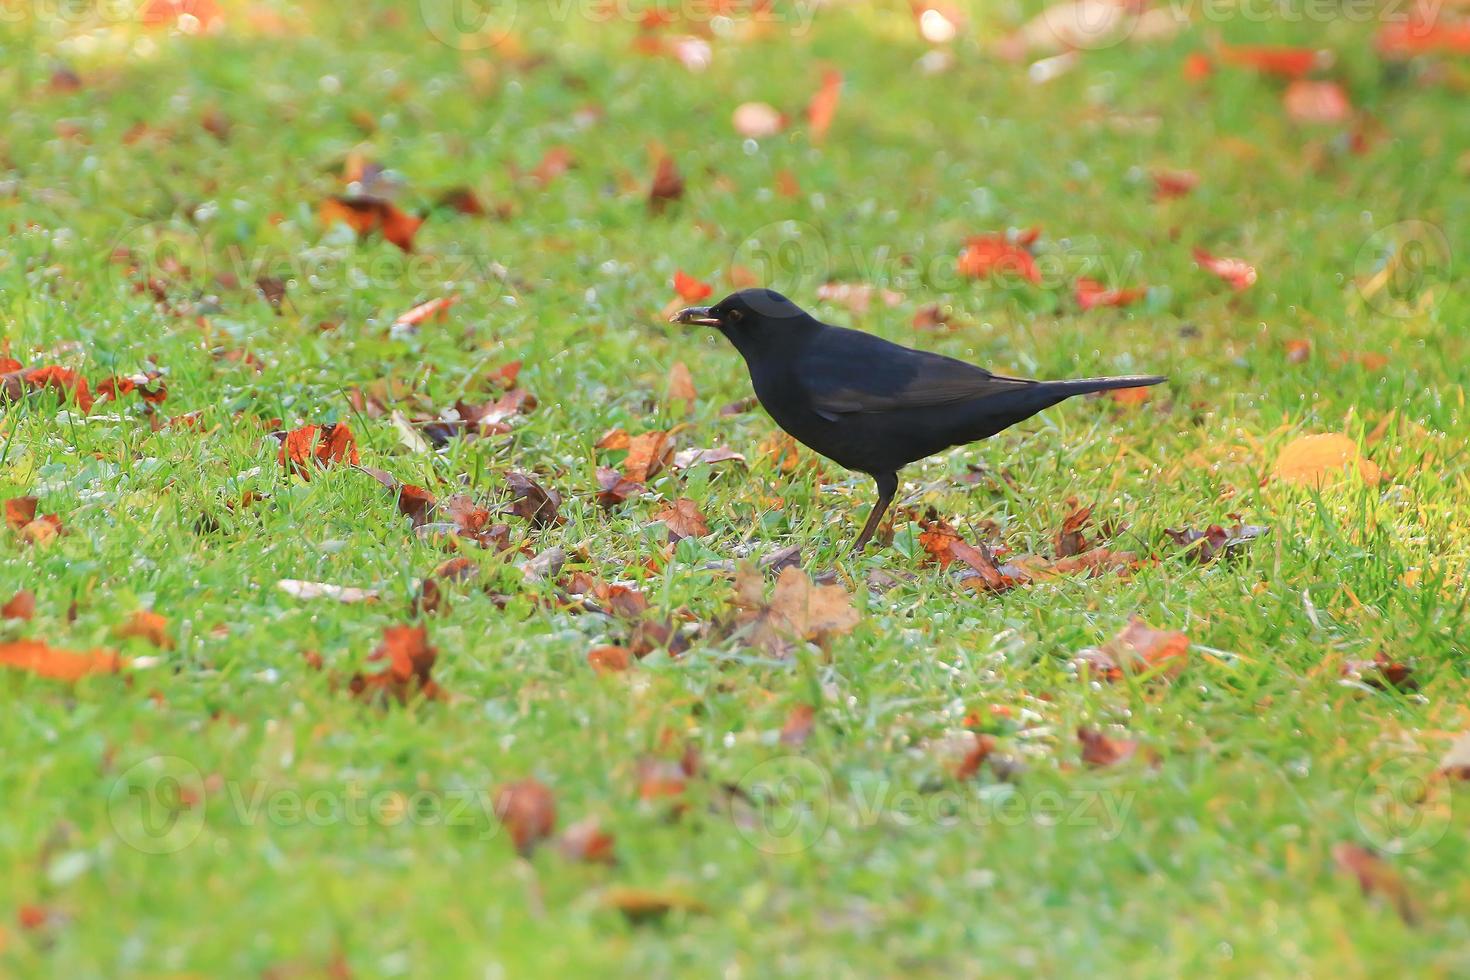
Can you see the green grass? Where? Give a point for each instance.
(1218, 857)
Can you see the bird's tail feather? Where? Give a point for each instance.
(1083, 386)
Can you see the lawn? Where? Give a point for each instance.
(900, 761)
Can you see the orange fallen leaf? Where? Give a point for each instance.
(681, 385)
(799, 725)
(64, 381)
(21, 606)
(1376, 877)
(690, 289)
(586, 841)
(822, 108)
(527, 810)
(147, 625)
(365, 215)
(683, 519)
(1237, 272)
(667, 184)
(321, 444)
(1317, 102)
(1091, 294)
(993, 256)
(644, 904)
(20, 511)
(1137, 649)
(648, 454)
(410, 660)
(424, 311)
(57, 664)
(1318, 459)
(1100, 750)
(1278, 60)
(609, 659)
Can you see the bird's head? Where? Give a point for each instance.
(751, 318)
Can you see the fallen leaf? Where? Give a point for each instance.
(1319, 459)
(555, 162)
(1415, 36)
(799, 725)
(686, 458)
(1237, 272)
(797, 611)
(586, 841)
(1382, 672)
(822, 108)
(410, 661)
(1171, 184)
(434, 308)
(1138, 648)
(527, 810)
(1298, 351)
(1317, 102)
(1100, 750)
(683, 520)
(533, 502)
(857, 296)
(366, 215)
(1278, 60)
(644, 904)
(979, 749)
(1091, 294)
(648, 454)
(22, 606)
(147, 625)
(1376, 877)
(63, 665)
(1070, 540)
(690, 289)
(346, 594)
(319, 444)
(1215, 541)
(613, 488)
(609, 659)
(667, 184)
(994, 256)
(64, 381)
(20, 511)
(681, 386)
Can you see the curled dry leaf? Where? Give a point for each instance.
(42, 660)
(20, 511)
(686, 458)
(432, 309)
(319, 444)
(683, 519)
(1382, 672)
(299, 589)
(1070, 540)
(1320, 459)
(533, 502)
(527, 810)
(613, 488)
(410, 661)
(147, 625)
(1091, 294)
(1137, 649)
(609, 659)
(798, 610)
(1215, 541)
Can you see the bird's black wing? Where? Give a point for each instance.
(847, 371)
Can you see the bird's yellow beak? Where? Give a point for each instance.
(696, 314)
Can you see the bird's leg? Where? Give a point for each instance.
(887, 487)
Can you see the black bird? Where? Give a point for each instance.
(868, 404)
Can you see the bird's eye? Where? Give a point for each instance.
(736, 315)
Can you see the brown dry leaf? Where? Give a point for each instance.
(533, 502)
(683, 519)
(319, 444)
(1100, 750)
(1318, 459)
(648, 454)
(980, 748)
(681, 386)
(613, 488)
(646, 904)
(1215, 541)
(414, 502)
(527, 810)
(609, 659)
(410, 661)
(22, 606)
(799, 725)
(613, 440)
(42, 530)
(1382, 672)
(1298, 351)
(797, 611)
(147, 625)
(781, 450)
(1070, 540)
(63, 665)
(20, 511)
(667, 184)
(984, 573)
(1137, 649)
(1377, 877)
(686, 458)
(586, 841)
(662, 779)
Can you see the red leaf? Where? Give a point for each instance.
(691, 290)
(823, 106)
(63, 665)
(365, 215)
(527, 810)
(1237, 272)
(316, 443)
(410, 660)
(1090, 293)
(424, 311)
(668, 184)
(1279, 60)
(993, 256)
(22, 606)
